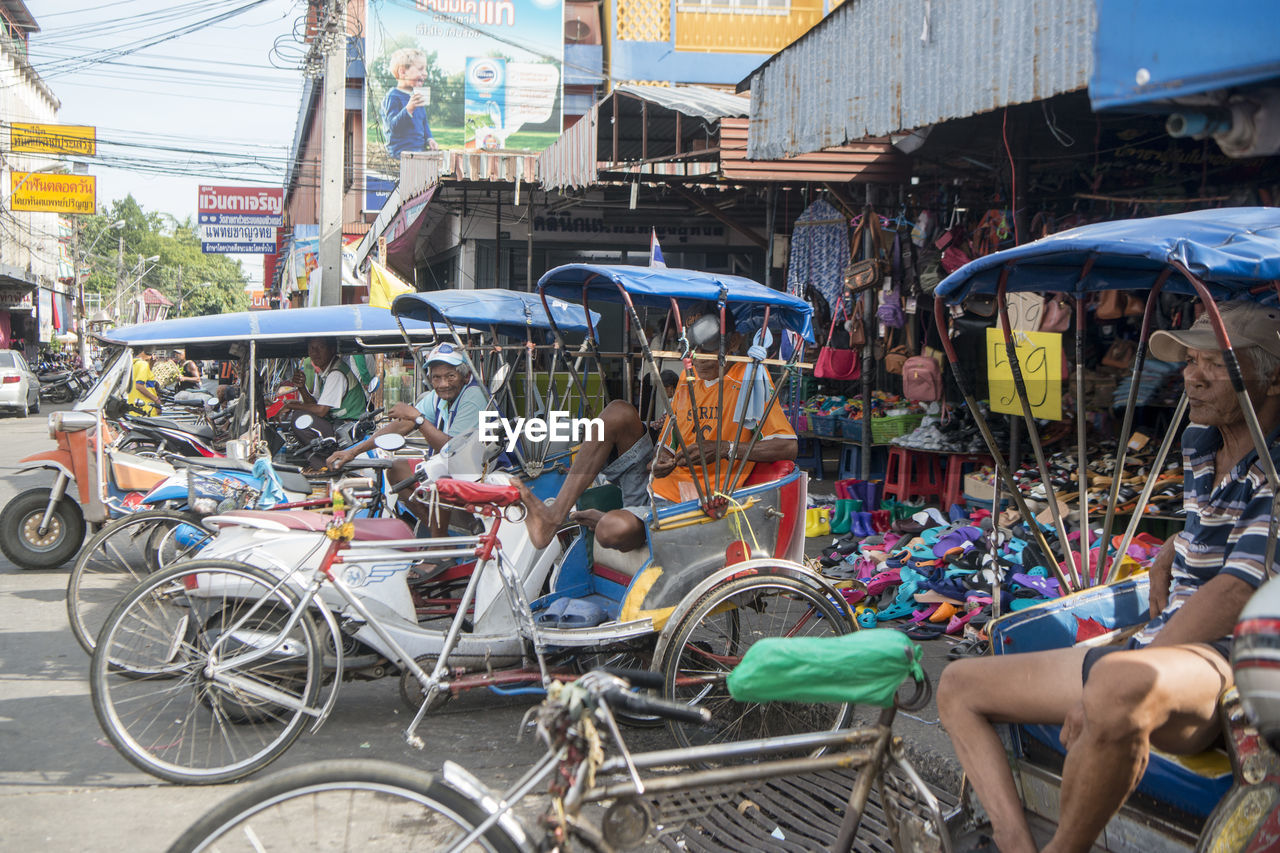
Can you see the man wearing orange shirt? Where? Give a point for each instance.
(623, 452)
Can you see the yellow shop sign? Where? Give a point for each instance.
(53, 139)
(44, 192)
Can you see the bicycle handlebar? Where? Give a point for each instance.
(639, 703)
(636, 677)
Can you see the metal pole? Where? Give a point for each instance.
(869, 250)
(331, 154)
(497, 244)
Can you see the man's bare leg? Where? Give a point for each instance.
(1167, 696)
(973, 694)
(620, 530)
(622, 429)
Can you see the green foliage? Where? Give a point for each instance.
(197, 284)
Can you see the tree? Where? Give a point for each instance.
(197, 284)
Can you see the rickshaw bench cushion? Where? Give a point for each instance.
(366, 529)
(767, 472)
(624, 564)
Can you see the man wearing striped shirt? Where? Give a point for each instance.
(1161, 689)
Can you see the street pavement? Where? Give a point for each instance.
(64, 787)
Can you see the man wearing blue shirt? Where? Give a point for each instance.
(404, 110)
(450, 409)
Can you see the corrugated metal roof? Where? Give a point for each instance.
(698, 101)
(422, 170)
(869, 70)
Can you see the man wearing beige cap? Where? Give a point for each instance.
(1161, 688)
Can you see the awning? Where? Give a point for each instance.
(403, 231)
(676, 134)
(1155, 50)
(878, 67)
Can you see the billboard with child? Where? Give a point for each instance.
(459, 74)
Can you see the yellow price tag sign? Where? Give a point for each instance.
(1040, 359)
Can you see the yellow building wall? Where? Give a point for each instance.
(751, 33)
(715, 31)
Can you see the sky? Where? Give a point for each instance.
(175, 109)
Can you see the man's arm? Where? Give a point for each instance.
(1209, 614)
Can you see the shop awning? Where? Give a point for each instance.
(689, 133)
(878, 67)
(1149, 51)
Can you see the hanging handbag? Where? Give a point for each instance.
(1120, 354)
(1110, 305)
(895, 355)
(1057, 313)
(834, 362)
(857, 331)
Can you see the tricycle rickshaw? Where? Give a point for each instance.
(1226, 801)
(1224, 798)
(251, 646)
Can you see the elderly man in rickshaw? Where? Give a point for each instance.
(1161, 689)
(330, 390)
(447, 417)
(625, 455)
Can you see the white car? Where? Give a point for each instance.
(19, 387)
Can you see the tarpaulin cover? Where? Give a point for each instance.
(277, 332)
(511, 311)
(655, 287)
(1148, 51)
(1234, 250)
(865, 668)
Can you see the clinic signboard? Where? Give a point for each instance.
(472, 75)
(239, 220)
(261, 206)
(45, 192)
(26, 138)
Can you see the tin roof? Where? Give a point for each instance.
(877, 67)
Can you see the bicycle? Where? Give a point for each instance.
(207, 671)
(801, 792)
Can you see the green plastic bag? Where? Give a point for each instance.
(865, 668)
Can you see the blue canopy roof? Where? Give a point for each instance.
(278, 333)
(511, 311)
(655, 287)
(1234, 250)
(1148, 52)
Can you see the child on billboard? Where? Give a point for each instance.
(404, 109)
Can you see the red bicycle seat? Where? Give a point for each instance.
(460, 491)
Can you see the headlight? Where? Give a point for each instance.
(55, 424)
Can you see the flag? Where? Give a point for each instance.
(655, 251)
(384, 286)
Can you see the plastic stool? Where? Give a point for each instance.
(909, 473)
(809, 456)
(851, 462)
(953, 491)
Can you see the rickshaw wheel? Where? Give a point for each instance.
(411, 688)
(711, 639)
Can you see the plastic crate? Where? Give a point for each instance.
(892, 426)
(851, 428)
(823, 425)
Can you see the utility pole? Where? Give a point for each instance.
(179, 291)
(119, 277)
(333, 40)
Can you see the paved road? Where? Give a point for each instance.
(63, 787)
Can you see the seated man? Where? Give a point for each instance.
(626, 441)
(1162, 689)
(449, 411)
(330, 391)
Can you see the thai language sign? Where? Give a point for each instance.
(262, 206)
(41, 192)
(238, 239)
(53, 139)
(461, 74)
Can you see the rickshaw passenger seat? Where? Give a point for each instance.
(767, 472)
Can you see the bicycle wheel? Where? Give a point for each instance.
(714, 635)
(158, 696)
(121, 554)
(343, 805)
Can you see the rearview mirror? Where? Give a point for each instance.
(374, 384)
(389, 441)
(303, 421)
